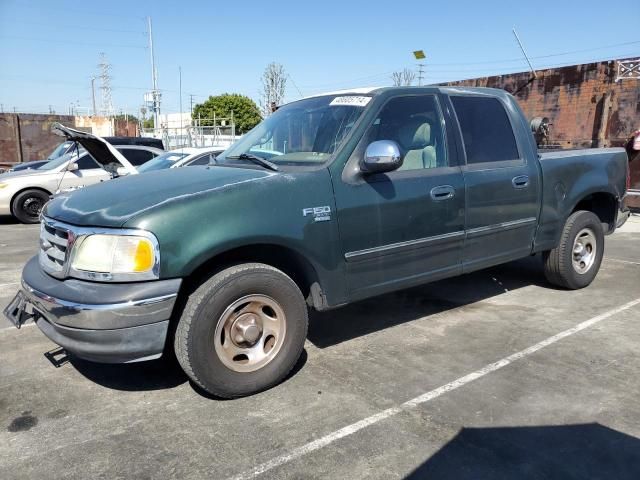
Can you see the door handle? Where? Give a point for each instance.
(443, 192)
(521, 181)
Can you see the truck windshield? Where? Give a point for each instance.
(301, 133)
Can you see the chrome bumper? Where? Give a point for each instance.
(110, 323)
(100, 316)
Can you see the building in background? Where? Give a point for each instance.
(587, 105)
(175, 120)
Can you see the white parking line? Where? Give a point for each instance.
(378, 417)
(9, 284)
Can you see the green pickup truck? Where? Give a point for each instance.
(331, 199)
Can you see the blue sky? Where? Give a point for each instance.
(50, 50)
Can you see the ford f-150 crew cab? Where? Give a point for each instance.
(331, 199)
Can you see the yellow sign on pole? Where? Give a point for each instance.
(419, 54)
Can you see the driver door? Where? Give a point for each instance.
(398, 228)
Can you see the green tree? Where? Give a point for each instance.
(123, 117)
(246, 113)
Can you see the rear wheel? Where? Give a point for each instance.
(27, 205)
(575, 262)
(242, 331)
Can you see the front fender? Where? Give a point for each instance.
(267, 211)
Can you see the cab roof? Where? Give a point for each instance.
(439, 88)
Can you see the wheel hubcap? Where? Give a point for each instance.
(250, 333)
(32, 206)
(584, 251)
(246, 331)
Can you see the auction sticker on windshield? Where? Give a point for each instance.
(351, 100)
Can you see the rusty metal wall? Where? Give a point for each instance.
(25, 137)
(36, 138)
(585, 104)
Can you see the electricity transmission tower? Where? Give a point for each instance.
(105, 88)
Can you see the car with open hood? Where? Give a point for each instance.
(89, 160)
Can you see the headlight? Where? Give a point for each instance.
(115, 258)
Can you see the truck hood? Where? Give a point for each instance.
(101, 150)
(112, 204)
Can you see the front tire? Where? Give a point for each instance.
(242, 331)
(27, 205)
(575, 262)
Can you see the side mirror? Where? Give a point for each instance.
(382, 156)
(72, 167)
(121, 171)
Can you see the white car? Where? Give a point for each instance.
(182, 157)
(24, 193)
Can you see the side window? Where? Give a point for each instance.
(136, 157)
(415, 124)
(201, 160)
(486, 131)
(86, 162)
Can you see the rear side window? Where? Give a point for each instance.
(487, 133)
(136, 157)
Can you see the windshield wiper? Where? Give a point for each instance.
(257, 160)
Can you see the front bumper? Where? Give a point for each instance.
(109, 323)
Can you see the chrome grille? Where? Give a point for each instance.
(54, 246)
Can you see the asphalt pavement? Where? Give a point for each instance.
(490, 375)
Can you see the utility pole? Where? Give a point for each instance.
(93, 95)
(191, 100)
(155, 95)
(180, 92)
(420, 56)
(420, 73)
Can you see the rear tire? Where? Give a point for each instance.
(242, 331)
(27, 205)
(575, 262)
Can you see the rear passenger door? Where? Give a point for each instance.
(501, 184)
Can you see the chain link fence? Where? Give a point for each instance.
(218, 132)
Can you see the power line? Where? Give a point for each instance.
(80, 27)
(479, 72)
(49, 40)
(81, 11)
(294, 84)
(538, 68)
(510, 60)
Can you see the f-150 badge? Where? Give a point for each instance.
(320, 214)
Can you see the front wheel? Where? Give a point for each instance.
(575, 262)
(27, 205)
(242, 331)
